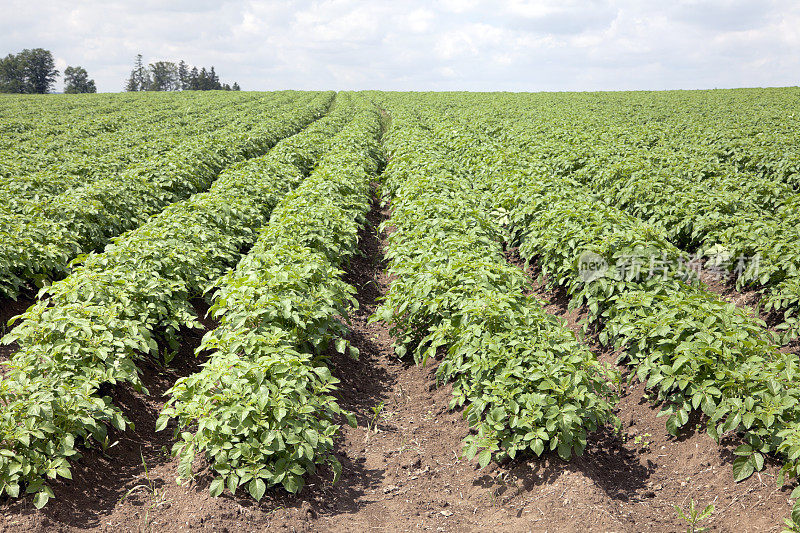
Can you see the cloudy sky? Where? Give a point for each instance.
(424, 44)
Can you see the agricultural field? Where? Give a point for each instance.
(322, 311)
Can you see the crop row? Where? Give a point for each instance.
(50, 166)
(40, 245)
(26, 121)
(96, 324)
(737, 218)
(261, 410)
(697, 351)
(739, 223)
(42, 133)
(757, 243)
(527, 382)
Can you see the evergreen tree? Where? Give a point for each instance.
(130, 84)
(141, 75)
(168, 76)
(183, 75)
(213, 79)
(194, 79)
(202, 80)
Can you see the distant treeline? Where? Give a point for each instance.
(169, 76)
(34, 72)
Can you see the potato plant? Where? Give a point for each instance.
(105, 135)
(40, 245)
(96, 324)
(697, 351)
(261, 410)
(527, 384)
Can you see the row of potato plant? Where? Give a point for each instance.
(47, 166)
(261, 409)
(527, 383)
(39, 246)
(37, 170)
(724, 219)
(702, 200)
(697, 351)
(95, 325)
(44, 134)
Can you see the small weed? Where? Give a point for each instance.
(156, 497)
(372, 425)
(695, 515)
(167, 356)
(642, 441)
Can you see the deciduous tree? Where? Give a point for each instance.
(12, 75)
(30, 71)
(164, 76)
(76, 80)
(40, 70)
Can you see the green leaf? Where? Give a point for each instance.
(484, 458)
(257, 488)
(742, 468)
(341, 345)
(672, 425)
(162, 422)
(12, 489)
(758, 460)
(233, 483)
(564, 451)
(706, 512)
(538, 447)
(292, 483)
(217, 486)
(40, 499)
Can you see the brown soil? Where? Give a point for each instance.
(726, 288)
(406, 473)
(675, 470)
(8, 309)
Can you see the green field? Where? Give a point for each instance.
(671, 220)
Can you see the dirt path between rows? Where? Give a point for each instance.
(408, 474)
(9, 309)
(402, 469)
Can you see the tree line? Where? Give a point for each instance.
(169, 76)
(34, 72)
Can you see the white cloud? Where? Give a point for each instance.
(460, 6)
(534, 9)
(446, 44)
(420, 20)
